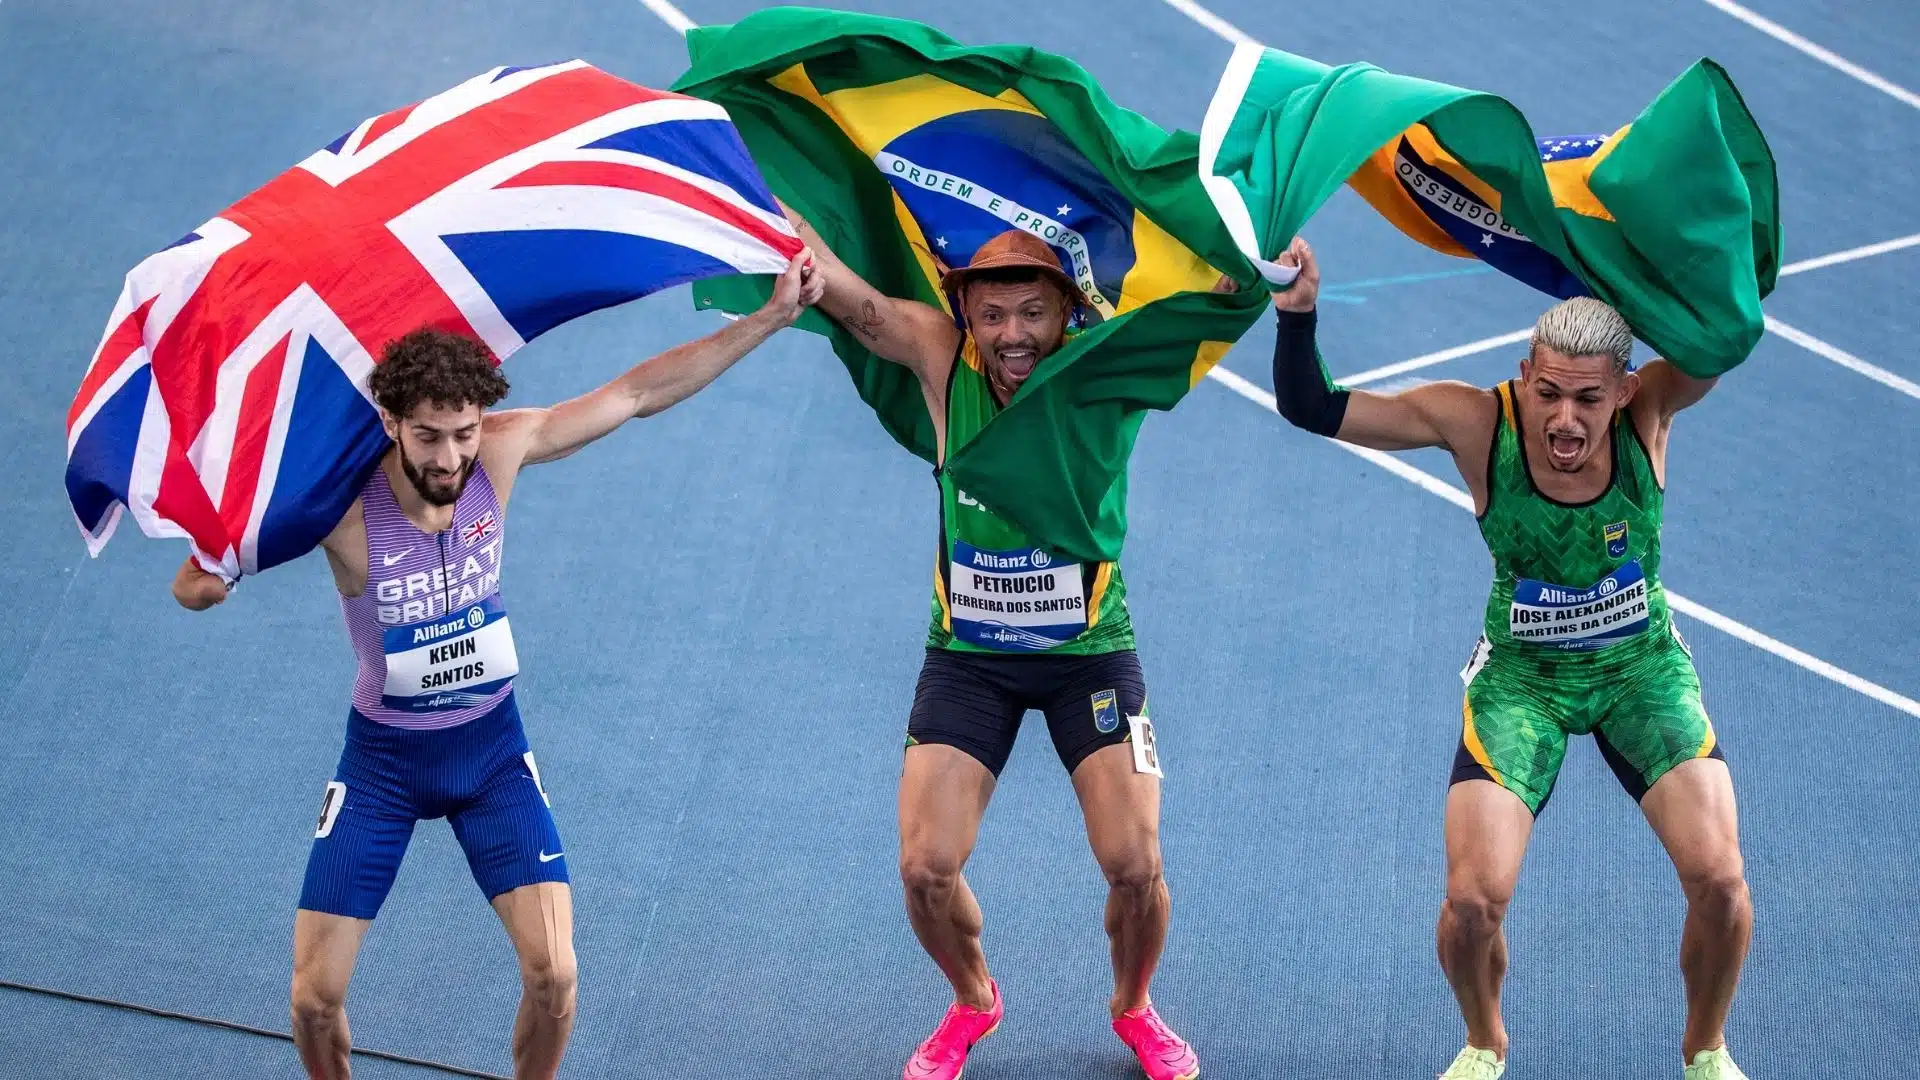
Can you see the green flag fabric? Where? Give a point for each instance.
(1673, 219)
(907, 151)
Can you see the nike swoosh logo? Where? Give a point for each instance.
(544, 857)
(389, 560)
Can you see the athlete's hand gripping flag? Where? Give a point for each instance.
(1673, 219)
(227, 402)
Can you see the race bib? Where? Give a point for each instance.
(1614, 608)
(1016, 601)
(450, 662)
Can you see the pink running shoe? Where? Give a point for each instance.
(944, 1054)
(1164, 1055)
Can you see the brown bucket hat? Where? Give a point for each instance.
(1015, 248)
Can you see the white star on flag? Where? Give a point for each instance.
(940, 242)
(1064, 210)
(1486, 239)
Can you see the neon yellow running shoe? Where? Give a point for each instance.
(1474, 1063)
(1714, 1065)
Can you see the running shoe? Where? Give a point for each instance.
(1474, 1063)
(944, 1054)
(1164, 1055)
(1714, 1065)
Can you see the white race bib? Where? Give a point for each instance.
(1612, 609)
(1017, 601)
(450, 662)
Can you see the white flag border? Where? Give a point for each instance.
(1227, 98)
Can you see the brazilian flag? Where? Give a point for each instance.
(907, 151)
(1674, 219)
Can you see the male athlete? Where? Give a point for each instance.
(1015, 627)
(1566, 466)
(433, 730)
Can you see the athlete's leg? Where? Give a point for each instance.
(513, 847)
(1692, 810)
(1122, 810)
(1096, 706)
(366, 820)
(943, 795)
(539, 920)
(965, 717)
(324, 950)
(1512, 742)
(1661, 745)
(1487, 828)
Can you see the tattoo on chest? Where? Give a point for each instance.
(867, 323)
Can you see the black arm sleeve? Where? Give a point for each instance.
(1305, 395)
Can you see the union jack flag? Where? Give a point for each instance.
(481, 527)
(227, 400)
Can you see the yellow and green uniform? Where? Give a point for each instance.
(1579, 639)
(994, 589)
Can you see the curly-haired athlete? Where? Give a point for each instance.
(433, 730)
(1567, 467)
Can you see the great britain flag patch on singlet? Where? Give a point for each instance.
(479, 529)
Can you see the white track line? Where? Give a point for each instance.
(1826, 56)
(1432, 358)
(1734, 627)
(1798, 337)
(1215, 23)
(1230, 32)
(1851, 254)
(1844, 358)
(670, 15)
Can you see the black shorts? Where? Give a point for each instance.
(975, 701)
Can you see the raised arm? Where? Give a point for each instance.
(1665, 389)
(518, 437)
(915, 335)
(1451, 415)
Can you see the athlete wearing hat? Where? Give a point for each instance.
(1014, 627)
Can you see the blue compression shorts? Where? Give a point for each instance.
(480, 776)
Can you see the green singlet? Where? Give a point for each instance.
(1579, 638)
(994, 589)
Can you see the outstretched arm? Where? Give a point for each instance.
(907, 332)
(1443, 414)
(530, 436)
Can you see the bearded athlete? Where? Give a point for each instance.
(433, 730)
(1567, 468)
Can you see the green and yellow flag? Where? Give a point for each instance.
(907, 151)
(1673, 219)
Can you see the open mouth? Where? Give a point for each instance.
(1565, 450)
(1019, 363)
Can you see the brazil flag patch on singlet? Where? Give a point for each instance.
(1614, 608)
(449, 662)
(1022, 600)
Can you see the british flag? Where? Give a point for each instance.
(227, 400)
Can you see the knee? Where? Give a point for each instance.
(1136, 873)
(316, 1003)
(550, 984)
(1718, 888)
(1476, 910)
(930, 879)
